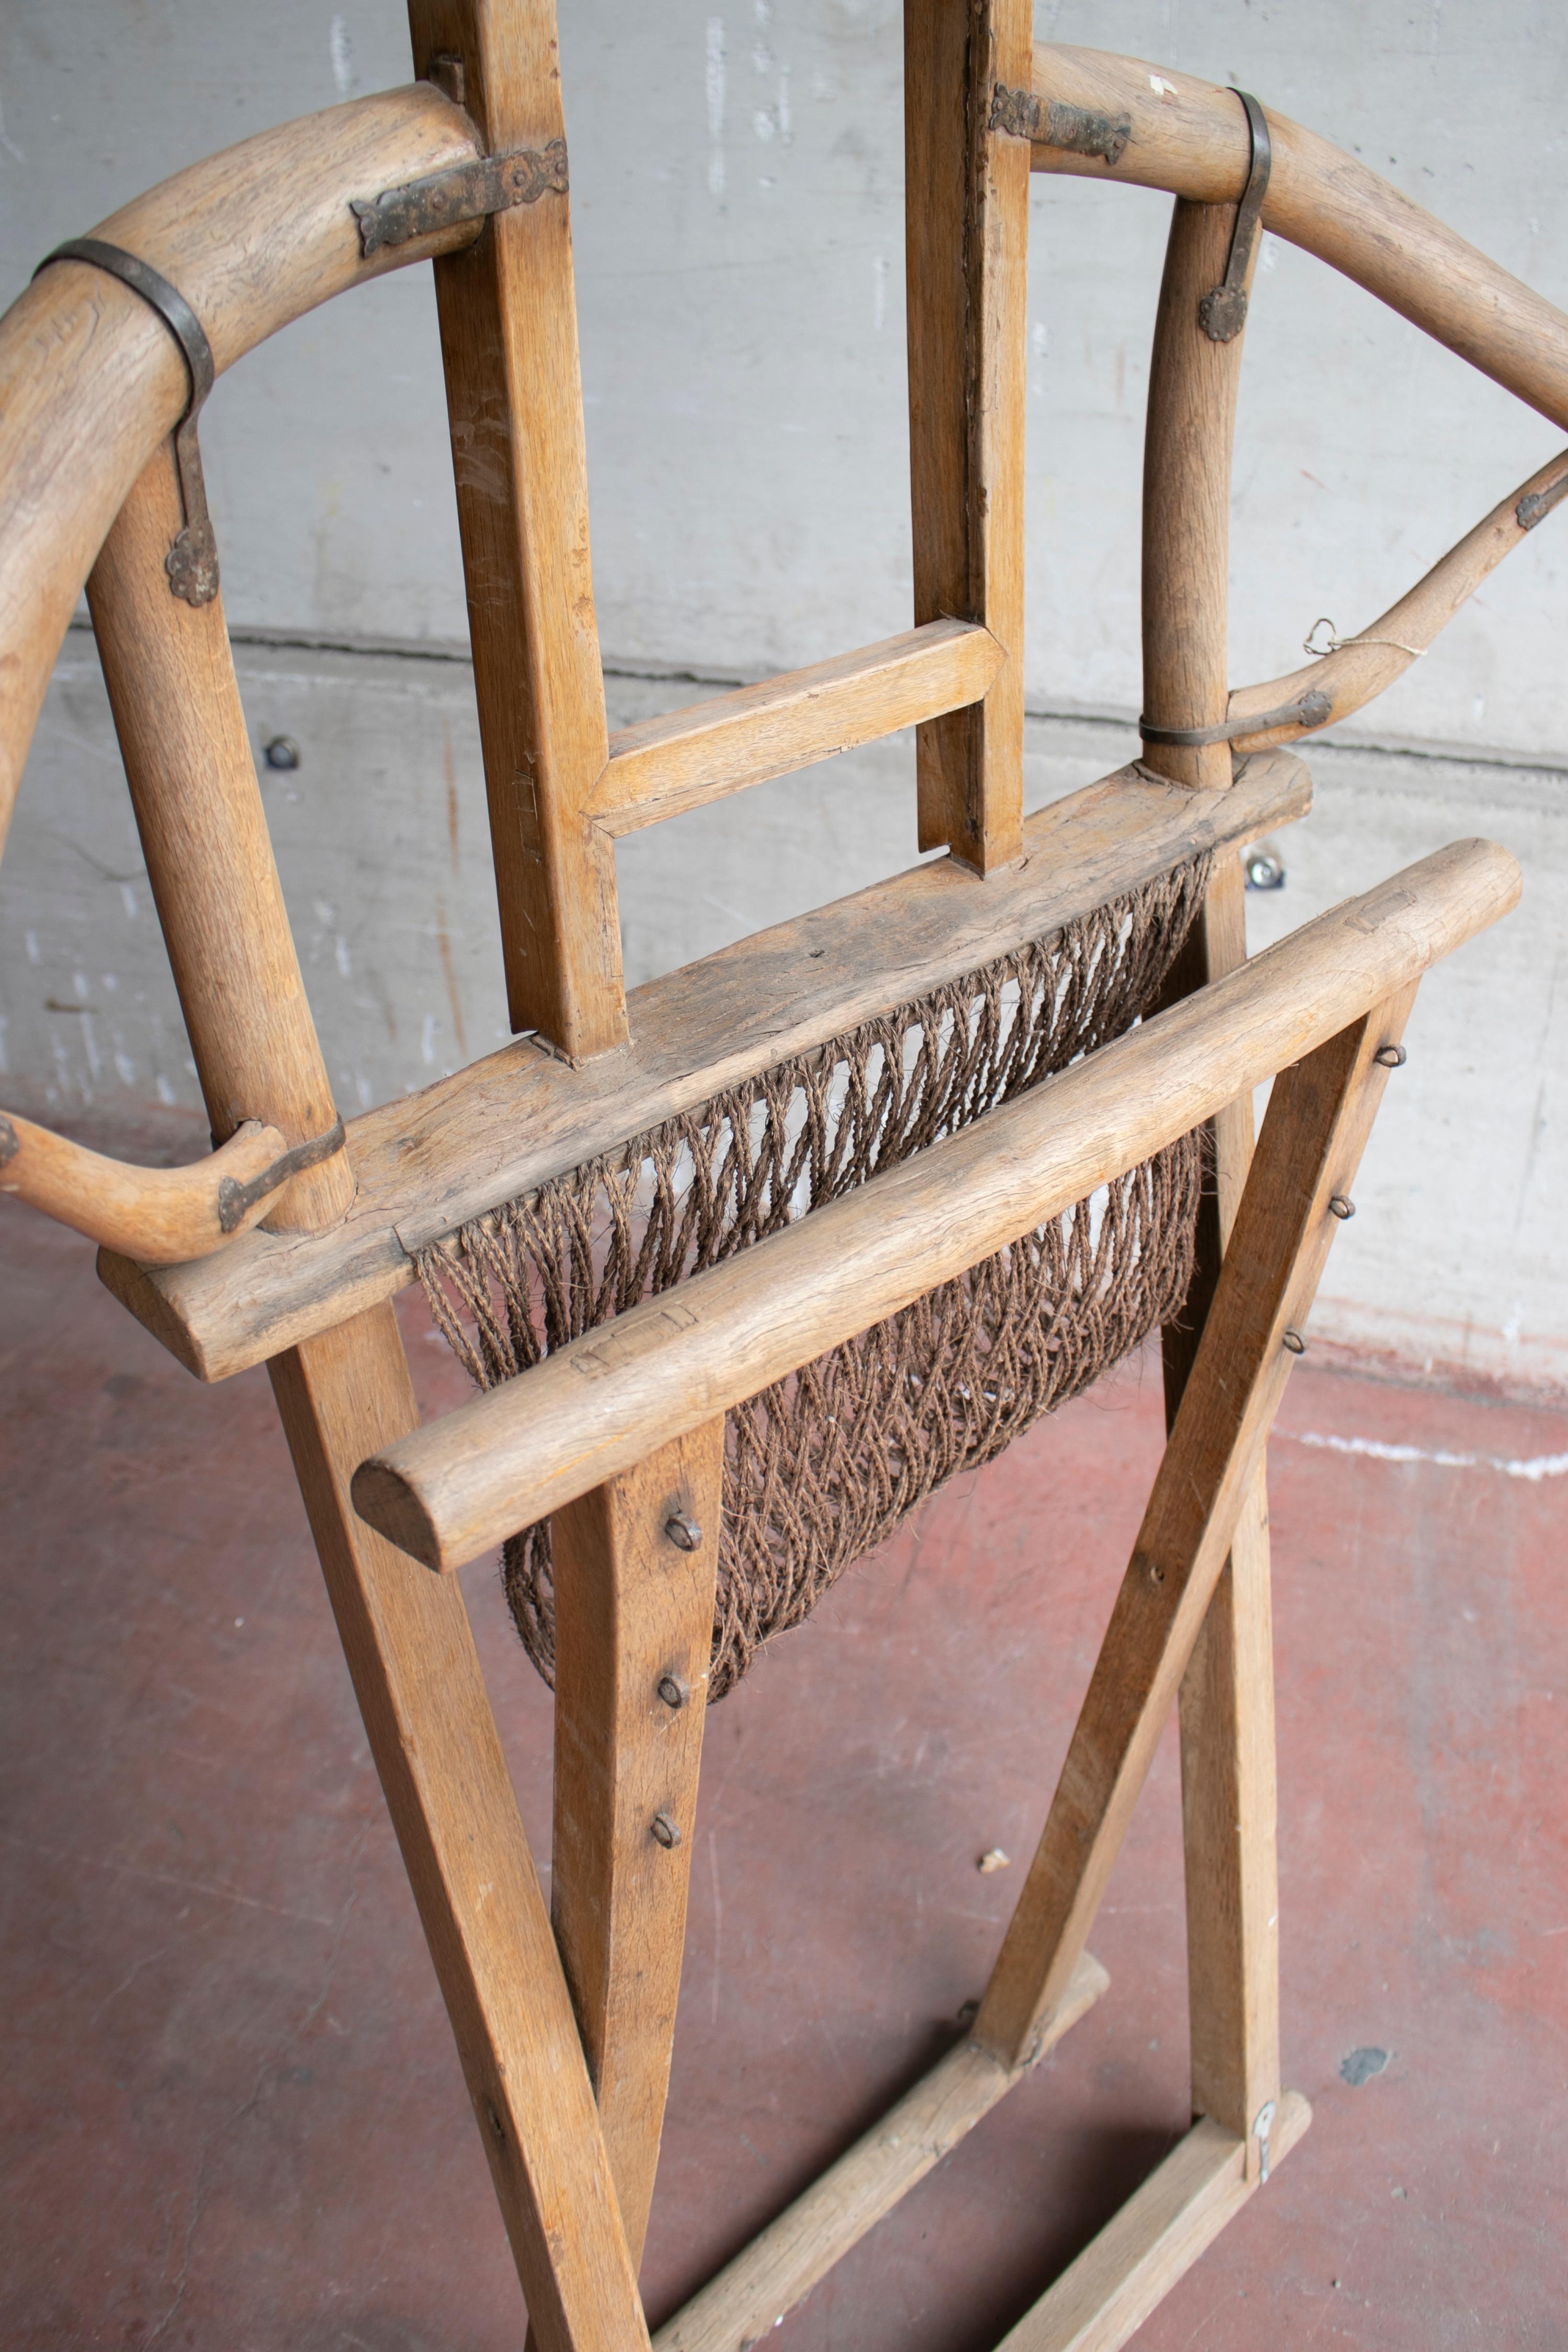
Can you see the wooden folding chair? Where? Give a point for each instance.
(289, 1244)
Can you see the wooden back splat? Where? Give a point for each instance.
(966, 238)
(514, 396)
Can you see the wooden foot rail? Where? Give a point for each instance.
(748, 2297)
(564, 2029)
(1109, 2291)
(596, 1407)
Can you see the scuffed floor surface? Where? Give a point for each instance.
(234, 2119)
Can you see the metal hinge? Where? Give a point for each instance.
(1075, 128)
(493, 184)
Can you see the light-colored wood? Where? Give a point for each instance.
(750, 2295)
(1319, 1115)
(666, 765)
(91, 380)
(192, 774)
(1226, 1700)
(966, 229)
(1190, 137)
(594, 1407)
(515, 398)
(515, 1119)
(634, 1620)
(1186, 499)
(163, 1215)
(1364, 665)
(417, 1675)
(1105, 2296)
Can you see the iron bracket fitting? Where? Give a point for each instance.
(493, 184)
(192, 560)
(1536, 504)
(233, 1201)
(1074, 128)
(1221, 313)
(1313, 709)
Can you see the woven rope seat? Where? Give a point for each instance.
(745, 1262)
(820, 1467)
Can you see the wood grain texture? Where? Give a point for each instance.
(1104, 2297)
(417, 1675)
(633, 1613)
(1364, 665)
(515, 398)
(746, 2300)
(1190, 137)
(1186, 499)
(511, 1121)
(163, 1214)
(1319, 1115)
(665, 765)
(596, 1406)
(966, 237)
(192, 773)
(1227, 1699)
(91, 380)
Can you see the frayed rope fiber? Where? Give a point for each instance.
(820, 1467)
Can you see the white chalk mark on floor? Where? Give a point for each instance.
(1533, 1467)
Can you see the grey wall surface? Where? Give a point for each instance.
(737, 199)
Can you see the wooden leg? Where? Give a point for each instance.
(1226, 1703)
(411, 1654)
(634, 1566)
(1319, 1118)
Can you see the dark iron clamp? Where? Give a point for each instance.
(1221, 313)
(1313, 709)
(192, 560)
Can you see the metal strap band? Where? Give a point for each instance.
(234, 1199)
(1221, 313)
(192, 561)
(1314, 710)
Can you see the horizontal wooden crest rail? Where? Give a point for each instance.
(510, 1122)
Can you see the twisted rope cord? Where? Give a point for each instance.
(820, 1467)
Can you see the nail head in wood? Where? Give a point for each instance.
(683, 1531)
(673, 1691)
(1295, 1343)
(664, 1830)
(1390, 1057)
(1341, 1205)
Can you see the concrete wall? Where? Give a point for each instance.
(737, 178)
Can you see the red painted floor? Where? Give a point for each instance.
(235, 2118)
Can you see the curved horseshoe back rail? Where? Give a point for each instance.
(90, 379)
(1159, 128)
(91, 384)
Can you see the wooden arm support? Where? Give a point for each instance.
(448, 1491)
(161, 1215)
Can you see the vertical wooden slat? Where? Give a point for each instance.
(509, 340)
(1319, 1118)
(417, 1675)
(966, 236)
(634, 1627)
(193, 787)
